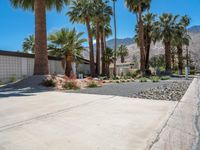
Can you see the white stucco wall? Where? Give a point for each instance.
(21, 67)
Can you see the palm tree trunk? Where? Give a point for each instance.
(41, 56)
(122, 59)
(97, 49)
(168, 57)
(90, 40)
(180, 59)
(173, 61)
(103, 67)
(115, 40)
(68, 68)
(147, 50)
(141, 39)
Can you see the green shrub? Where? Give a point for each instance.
(155, 79)
(49, 83)
(122, 81)
(117, 81)
(13, 78)
(143, 79)
(92, 84)
(1, 83)
(165, 78)
(135, 73)
(71, 85)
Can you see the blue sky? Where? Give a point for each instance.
(17, 24)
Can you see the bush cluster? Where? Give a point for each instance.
(49, 83)
(71, 85)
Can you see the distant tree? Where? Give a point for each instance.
(108, 58)
(157, 61)
(181, 39)
(166, 33)
(122, 52)
(67, 44)
(29, 44)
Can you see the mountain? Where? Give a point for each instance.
(125, 41)
(194, 29)
(158, 48)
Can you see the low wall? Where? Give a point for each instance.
(20, 65)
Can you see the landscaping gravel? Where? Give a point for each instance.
(171, 92)
(143, 90)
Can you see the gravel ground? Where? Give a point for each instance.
(134, 89)
(172, 92)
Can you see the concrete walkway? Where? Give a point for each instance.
(67, 121)
(182, 130)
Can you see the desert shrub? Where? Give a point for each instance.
(13, 78)
(116, 78)
(92, 84)
(117, 81)
(135, 73)
(49, 83)
(192, 72)
(165, 78)
(143, 79)
(71, 85)
(123, 81)
(155, 79)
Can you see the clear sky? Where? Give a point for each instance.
(17, 24)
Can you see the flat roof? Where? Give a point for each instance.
(21, 54)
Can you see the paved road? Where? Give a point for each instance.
(66, 121)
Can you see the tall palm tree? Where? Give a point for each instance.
(102, 13)
(122, 52)
(138, 7)
(105, 31)
(181, 39)
(167, 26)
(39, 7)
(82, 11)
(67, 44)
(115, 38)
(149, 35)
(29, 44)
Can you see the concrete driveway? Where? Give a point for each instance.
(67, 121)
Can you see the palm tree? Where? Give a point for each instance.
(108, 58)
(82, 11)
(39, 7)
(67, 44)
(122, 52)
(102, 13)
(29, 44)
(181, 39)
(138, 7)
(149, 35)
(115, 38)
(105, 31)
(167, 26)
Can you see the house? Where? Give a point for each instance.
(20, 65)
